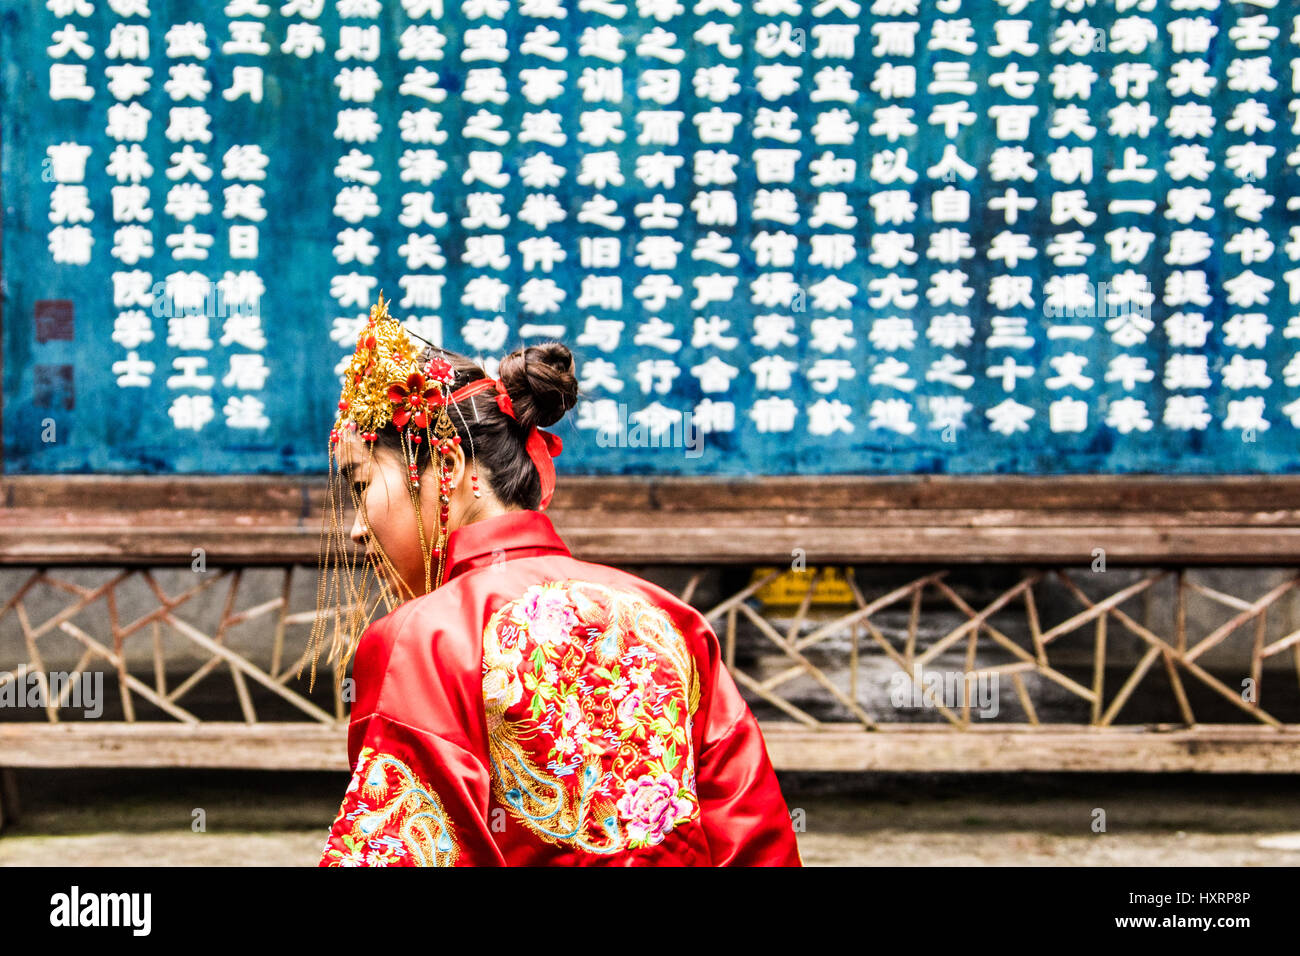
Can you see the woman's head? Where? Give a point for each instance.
(542, 385)
(395, 525)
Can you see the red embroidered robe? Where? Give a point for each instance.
(538, 709)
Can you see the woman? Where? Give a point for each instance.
(519, 706)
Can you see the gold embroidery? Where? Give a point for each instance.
(589, 693)
(396, 816)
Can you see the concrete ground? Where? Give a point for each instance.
(150, 818)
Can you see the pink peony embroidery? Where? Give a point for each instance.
(549, 616)
(629, 705)
(651, 807)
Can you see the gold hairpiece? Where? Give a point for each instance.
(384, 384)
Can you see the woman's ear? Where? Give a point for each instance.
(459, 466)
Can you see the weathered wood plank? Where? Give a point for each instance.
(1224, 748)
(704, 543)
(303, 495)
(270, 520)
(143, 520)
(1208, 748)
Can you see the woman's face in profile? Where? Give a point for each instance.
(380, 481)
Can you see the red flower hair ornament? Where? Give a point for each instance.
(413, 401)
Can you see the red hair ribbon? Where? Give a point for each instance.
(541, 446)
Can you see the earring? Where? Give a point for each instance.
(472, 457)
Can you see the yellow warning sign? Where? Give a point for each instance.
(830, 587)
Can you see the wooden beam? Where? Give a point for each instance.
(252, 520)
(285, 746)
(1222, 748)
(1209, 748)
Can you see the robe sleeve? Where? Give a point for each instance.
(745, 817)
(418, 795)
(415, 799)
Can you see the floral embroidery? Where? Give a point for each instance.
(396, 819)
(651, 807)
(589, 693)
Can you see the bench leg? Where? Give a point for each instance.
(8, 797)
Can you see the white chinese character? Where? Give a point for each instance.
(892, 372)
(244, 81)
(359, 125)
(71, 245)
(825, 374)
(185, 201)
(130, 203)
(1184, 370)
(189, 123)
(70, 204)
(243, 241)
(1247, 413)
(1247, 330)
(602, 334)
(1067, 415)
(70, 40)
(66, 8)
(68, 82)
(131, 244)
(67, 162)
(131, 329)
(773, 414)
(190, 332)
(245, 411)
(247, 8)
(355, 245)
(190, 411)
(352, 289)
(128, 80)
(893, 414)
(244, 202)
(422, 252)
(950, 330)
(246, 38)
(773, 373)
(1187, 412)
(359, 43)
(948, 412)
(425, 292)
(309, 9)
(358, 84)
(947, 369)
(244, 162)
(189, 243)
(245, 371)
(187, 40)
(1009, 416)
(188, 81)
(826, 417)
(421, 42)
(303, 39)
(715, 375)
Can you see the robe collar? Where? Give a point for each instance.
(519, 534)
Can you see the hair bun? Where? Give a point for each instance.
(542, 382)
